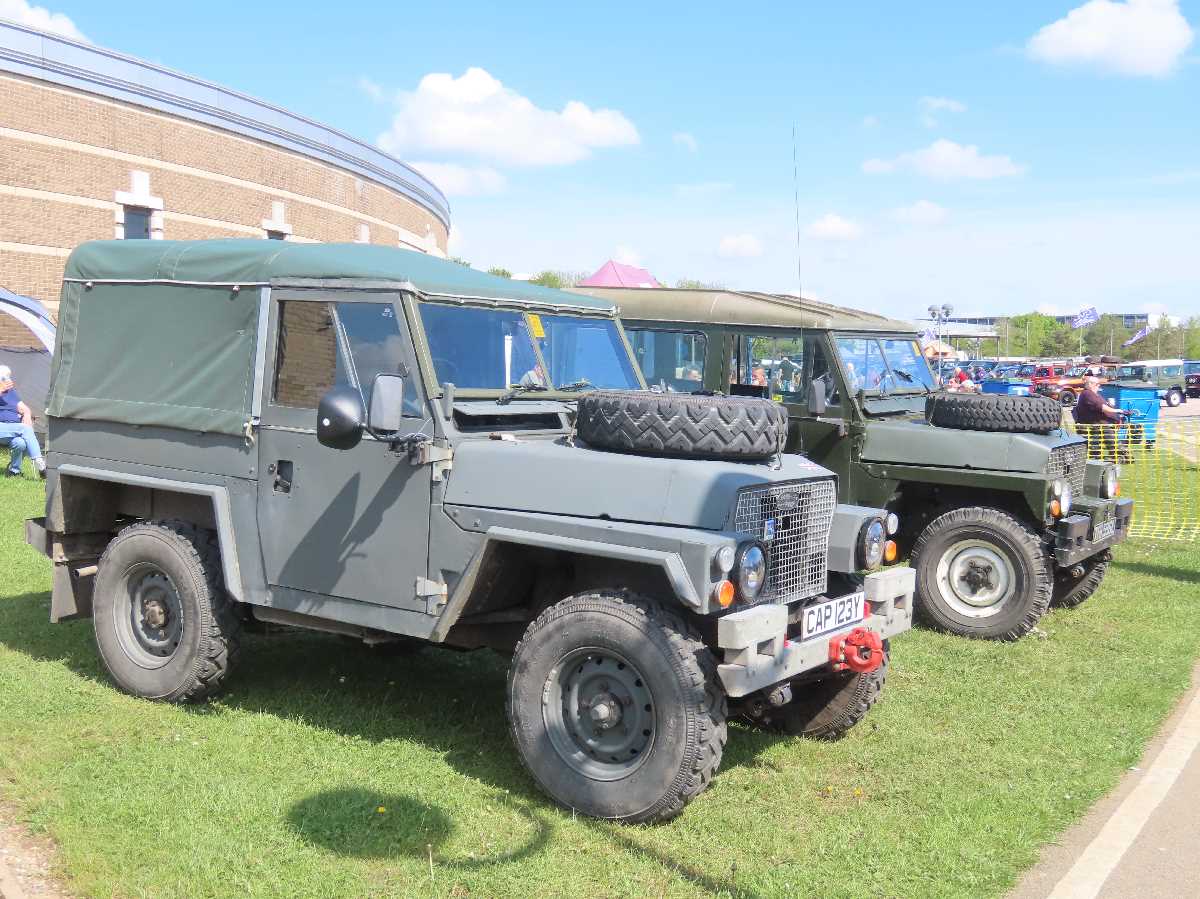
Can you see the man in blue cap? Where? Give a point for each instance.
(16, 427)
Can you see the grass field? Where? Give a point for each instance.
(329, 771)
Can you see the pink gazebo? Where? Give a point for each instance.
(616, 274)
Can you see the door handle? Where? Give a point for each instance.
(282, 470)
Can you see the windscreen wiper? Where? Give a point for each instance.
(515, 389)
(574, 386)
(909, 379)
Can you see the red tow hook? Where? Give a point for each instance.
(860, 651)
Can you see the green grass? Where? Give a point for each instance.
(978, 755)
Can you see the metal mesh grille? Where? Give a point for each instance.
(1068, 463)
(800, 515)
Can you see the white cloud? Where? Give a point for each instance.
(627, 255)
(739, 246)
(946, 160)
(462, 180)
(41, 18)
(832, 226)
(476, 115)
(1137, 37)
(686, 140)
(455, 244)
(701, 189)
(922, 212)
(931, 106)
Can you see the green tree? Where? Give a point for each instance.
(693, 284)
(1191, 338)
(1030, 333)
(1106, 336)
(559, 279)
(499, 272)
(460, 261)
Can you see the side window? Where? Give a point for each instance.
(1172, 371)
(377, 343)
(773, 363)
(308, 360)
(674, 358)
(862, 363)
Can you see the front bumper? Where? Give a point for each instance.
(756, 650)
(1075, 537)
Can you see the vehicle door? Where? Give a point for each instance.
(350, 523)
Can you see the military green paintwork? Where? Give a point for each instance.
(884, 452)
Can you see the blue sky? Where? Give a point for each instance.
(1000, 157)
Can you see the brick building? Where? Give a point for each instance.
(95, 144)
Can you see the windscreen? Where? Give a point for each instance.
(584, 352)
(1135, 372)
(888, 365)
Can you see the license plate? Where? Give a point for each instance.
(1104, 530)
(832, 614)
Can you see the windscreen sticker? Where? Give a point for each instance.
(535, 326)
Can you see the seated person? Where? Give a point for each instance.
(1091, 408)
(16, 427)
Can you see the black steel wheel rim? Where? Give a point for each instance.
(148, 615)
(599, 713)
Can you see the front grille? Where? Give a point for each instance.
(1068, 462)
(800, 514)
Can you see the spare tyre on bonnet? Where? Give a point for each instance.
(379, 444)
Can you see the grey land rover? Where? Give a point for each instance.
(381, 444)
(1002, 512)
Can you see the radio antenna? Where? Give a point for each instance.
(796, 197)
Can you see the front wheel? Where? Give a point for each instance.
(981, 573)
(1067, 398)
(1174, 397)
(828, 708)
(1071, 590)
(165, 627)
(615, 707)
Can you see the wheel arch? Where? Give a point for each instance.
(85, 500)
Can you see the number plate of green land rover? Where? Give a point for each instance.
(832, 614)
(1104, 530)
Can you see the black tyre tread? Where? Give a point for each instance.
(675, 424)
(694, 660)
(833, 706)
(1070, 592)
(1018, 530)
(222, 626)
(994, 412)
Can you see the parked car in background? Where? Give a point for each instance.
(1003, 512)
(1166, 374)
(1047, 371)
(1067, 388)
(1191, 377)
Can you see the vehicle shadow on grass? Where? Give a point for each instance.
(1171, 572)
(450, 702)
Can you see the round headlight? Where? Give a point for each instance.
(751, 572)
(1111, 486)
(874, 536)
(1064, 499)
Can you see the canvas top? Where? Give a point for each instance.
(251, 262)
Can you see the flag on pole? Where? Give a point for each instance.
(1087, 316)
(929, 336)
(1138, 336)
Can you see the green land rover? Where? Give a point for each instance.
(1002, 512)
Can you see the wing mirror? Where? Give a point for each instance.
(387, 403)
(340, 418)
(816, 396)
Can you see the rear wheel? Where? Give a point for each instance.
(1071, 589)
(981, 573)
(1174, 397)
(165, 627)
(615, 707)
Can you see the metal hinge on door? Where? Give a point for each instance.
(430, 453)
(433, 592)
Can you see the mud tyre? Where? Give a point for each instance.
(615, 708)
(1174, 397)
(994, 412)
(827, 709)
(1070, 592)
(165, 627)
(981, 573)
(672, 424)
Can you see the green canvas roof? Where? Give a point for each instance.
(739, 307)
(248, 262)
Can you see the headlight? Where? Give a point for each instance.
(750, 573)
(725, 559)
(1110, 487)
(893, 523)
(871, 544)
(1065, 499)
(1060, 505)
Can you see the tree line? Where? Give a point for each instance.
(1035, 334)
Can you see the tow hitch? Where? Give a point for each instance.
(860, 651)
